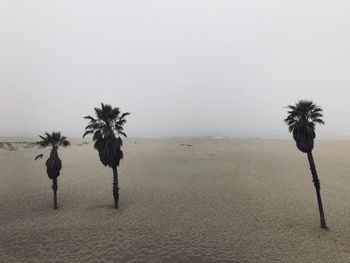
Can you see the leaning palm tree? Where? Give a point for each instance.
(53, 164)
(301, 120)
(106, 129)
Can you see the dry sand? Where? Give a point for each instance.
(216, 201)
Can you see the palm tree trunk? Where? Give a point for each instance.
(54, 188)
(115, 188)
(317, 186)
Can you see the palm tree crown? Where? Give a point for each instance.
(54, 140)
(301, 120)
(106, 129)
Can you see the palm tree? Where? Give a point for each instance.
(53, 164)
(106, 130)
(302, 119)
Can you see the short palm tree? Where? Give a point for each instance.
(106, 129)
(301, 120)
(53, 164)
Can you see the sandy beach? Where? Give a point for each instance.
(181, 200)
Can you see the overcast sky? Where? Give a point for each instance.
(181, 67)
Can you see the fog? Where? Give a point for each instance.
(182, 68)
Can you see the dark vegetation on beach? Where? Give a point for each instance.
(106, 128)
(13, 146)
(301, 120)
(54, 163)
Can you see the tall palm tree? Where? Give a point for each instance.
(106, 129)
(301, 120)
(53, 164)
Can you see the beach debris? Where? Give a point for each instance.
(39, 156)
(188, 145)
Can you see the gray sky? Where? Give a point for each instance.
(181, 67)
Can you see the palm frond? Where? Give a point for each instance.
(38, 156)
(97, 135)
(98, 113)
(118, 127)
(121, 122)
(122, 133)
(124, 115)
(90, 118)
(87, 132)
(42, 137)
(64, 143)
(116, 113)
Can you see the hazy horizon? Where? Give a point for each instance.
(182, 68)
